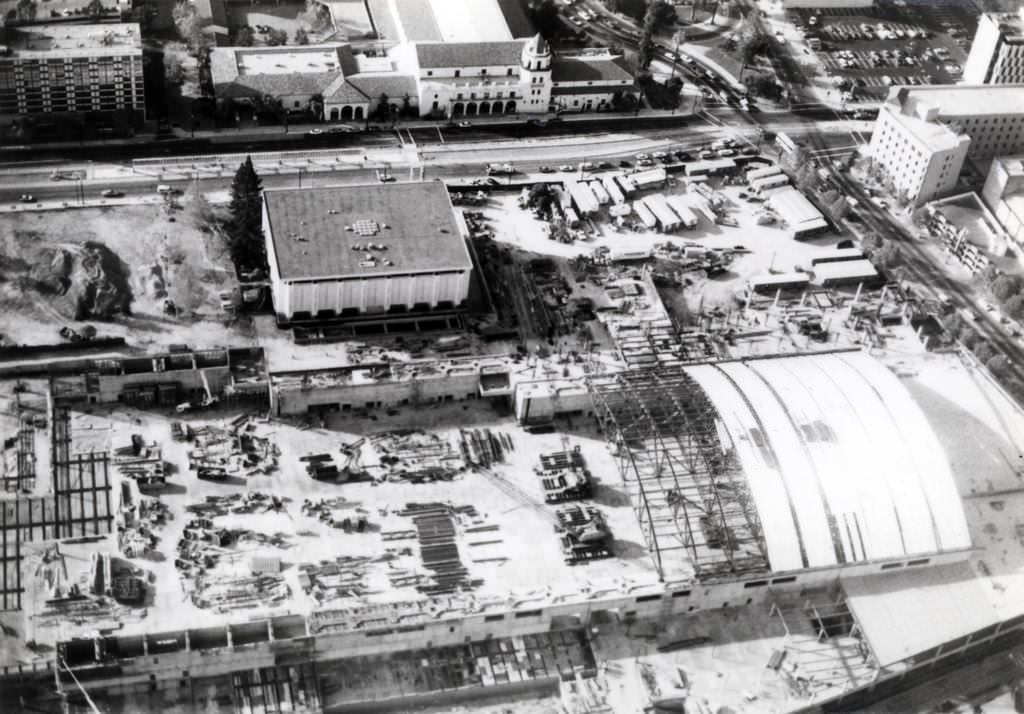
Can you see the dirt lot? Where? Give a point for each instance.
(56, 266)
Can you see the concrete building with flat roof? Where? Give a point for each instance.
(997, 52)
(923, 134)
(348, 251)
(51, 71)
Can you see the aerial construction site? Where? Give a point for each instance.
(517, 463)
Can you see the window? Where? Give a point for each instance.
(458, 73)
(509, 72)
(483, 70)
(430, 73)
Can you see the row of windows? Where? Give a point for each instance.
(482, 73)
(486, 95)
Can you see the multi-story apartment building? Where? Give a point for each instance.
(48, 71)
(997, 53)
(923, 134)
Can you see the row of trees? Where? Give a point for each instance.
(963, 330)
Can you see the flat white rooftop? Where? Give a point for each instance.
(965, 100)
(841, 462)
(934, 135)
(313, 59)
(44, 41)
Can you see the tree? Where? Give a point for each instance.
(245, 37)
(174, 71)
(316, 106)
(383, 110)
(301, 37)
(1005, 286)
(655, 18)
(245, 229)
(95, 9)
(277, 37)
(25, 11)
(983, 351)
(190, 27)
(1014, 306)
(406, 105)
(968, 336)
(316, 15)
(838, 208)
(998, 365)
(544, 16)
(633, 8)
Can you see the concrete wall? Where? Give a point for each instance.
(267, 642)
(369, 295)
(112, 385)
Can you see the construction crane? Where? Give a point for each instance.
(353, 467)
(208, 398)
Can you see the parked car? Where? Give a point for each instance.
(27, 198)
(111, 193)
(546, 169)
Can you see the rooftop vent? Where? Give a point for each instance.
(366, 227)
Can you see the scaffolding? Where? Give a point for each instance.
(687, 488)
(824, 651)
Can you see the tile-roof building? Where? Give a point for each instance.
(445, 63)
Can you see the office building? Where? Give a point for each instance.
(997, 53)
(923, 134)
(47, 71)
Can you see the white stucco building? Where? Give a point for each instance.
(923, 134)
(431, 59)
(348, 251)
(997, 52)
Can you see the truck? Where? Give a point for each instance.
(500, 169)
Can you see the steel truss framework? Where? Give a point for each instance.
(686, 486)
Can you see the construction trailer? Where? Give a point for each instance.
(666, 217)
(687, 217)
(847, 273)
(583, 198)
(626, 183)
(703, 206)
(838, 255)
(572, 219)
(562, 197)
(652, 178)
(613, 190)
(645, 214)
(598, 188)
(763, 172)
(766, 184)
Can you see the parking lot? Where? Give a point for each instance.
(865, 51)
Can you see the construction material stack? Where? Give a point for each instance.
(564, 476)
(585, 534)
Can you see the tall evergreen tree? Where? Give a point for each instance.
(245, 230)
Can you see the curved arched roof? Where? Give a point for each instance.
(841, 462)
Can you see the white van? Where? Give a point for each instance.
(164, 190)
